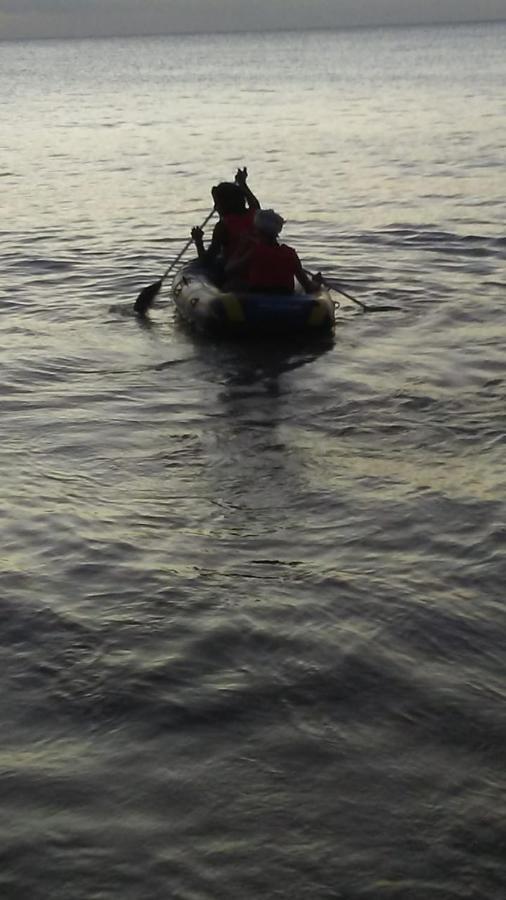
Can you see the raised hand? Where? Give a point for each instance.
(197, 234)
(241, 177)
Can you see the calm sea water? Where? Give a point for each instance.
(252, 597)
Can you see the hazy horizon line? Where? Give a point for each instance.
(246, 31)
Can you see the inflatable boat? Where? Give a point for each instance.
(207, 308)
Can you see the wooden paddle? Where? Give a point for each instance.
(147, 295)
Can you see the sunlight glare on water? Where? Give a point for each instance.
(252, 596)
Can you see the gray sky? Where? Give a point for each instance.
(55, 18)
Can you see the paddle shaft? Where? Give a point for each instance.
(363, 306)
(349, 297)
(147, 296)
(185, 248)
(338, 290)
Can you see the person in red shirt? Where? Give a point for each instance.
(266, 266)
(236, 206)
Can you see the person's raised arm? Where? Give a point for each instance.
(241, 181)
(197, 235)
(215, 246)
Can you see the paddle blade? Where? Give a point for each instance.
(146, 297)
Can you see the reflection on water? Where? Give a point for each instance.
(252, 594)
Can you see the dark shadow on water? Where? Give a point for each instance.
(256, 464)
(259, 361)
